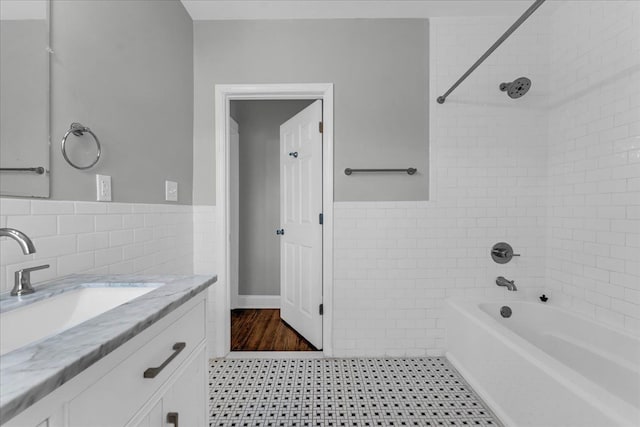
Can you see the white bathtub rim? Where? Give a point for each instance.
(595, 395)
(479, 389)
(473, 302)
(613, 327)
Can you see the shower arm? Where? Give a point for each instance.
(498, 42)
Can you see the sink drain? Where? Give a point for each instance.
(505, 311)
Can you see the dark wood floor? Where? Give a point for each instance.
(263, 330)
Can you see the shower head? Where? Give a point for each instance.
(516, 88)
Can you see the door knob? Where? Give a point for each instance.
(294, 154)
(280, 231)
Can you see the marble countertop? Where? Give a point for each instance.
(31, 372)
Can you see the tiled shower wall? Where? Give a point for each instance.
(396, 262)
(593, 253)
(96, 237)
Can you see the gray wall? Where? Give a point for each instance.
(380, 72)
(125, 69)
(259, 127)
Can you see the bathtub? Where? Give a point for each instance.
(545, 366)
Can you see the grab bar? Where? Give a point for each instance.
(410, 171)
(39, 170)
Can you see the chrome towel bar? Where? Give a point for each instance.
(39, 170)
(410, 171)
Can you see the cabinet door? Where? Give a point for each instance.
(153, 418)
(187, 398)
(47, 414)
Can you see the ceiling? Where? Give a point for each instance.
(23, 9)
(333, 9)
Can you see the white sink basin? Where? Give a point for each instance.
(41, 319)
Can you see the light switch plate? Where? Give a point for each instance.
(103, 188)
(171, 191)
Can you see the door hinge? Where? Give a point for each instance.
(320, 127)
(321, 218)
(321, 309)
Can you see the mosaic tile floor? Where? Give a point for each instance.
(342, 392)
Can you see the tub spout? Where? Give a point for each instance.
(510, 284)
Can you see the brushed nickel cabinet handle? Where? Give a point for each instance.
(172, 418)
(153, 372)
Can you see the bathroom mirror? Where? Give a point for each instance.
(24, 98)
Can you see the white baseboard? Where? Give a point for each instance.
(258, 301)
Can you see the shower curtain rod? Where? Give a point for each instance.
(498, 42)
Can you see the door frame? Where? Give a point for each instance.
(224, 94)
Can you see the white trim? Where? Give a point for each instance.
(223, 95)
(258, 301)
(234, 233)
(432, 70)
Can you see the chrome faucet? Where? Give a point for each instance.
(23, 240)
(22, 284)
(510, 284)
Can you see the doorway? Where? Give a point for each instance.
(276, 236)
(223, 296)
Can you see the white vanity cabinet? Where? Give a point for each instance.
(162, 371)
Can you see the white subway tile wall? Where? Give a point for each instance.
(204, 262)
(593, 251)
(204, 239)
(94, 237)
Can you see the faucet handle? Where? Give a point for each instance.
(22, 284)
(37, 267)
(24, 276)
(502, 252)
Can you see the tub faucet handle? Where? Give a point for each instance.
(502, 252)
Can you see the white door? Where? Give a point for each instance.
(301, 231)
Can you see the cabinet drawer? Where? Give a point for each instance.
(114, 398)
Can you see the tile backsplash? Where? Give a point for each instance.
(95, 237)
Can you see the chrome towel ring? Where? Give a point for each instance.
(78, 130)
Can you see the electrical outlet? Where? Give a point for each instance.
(103, 188)
(171, 191)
